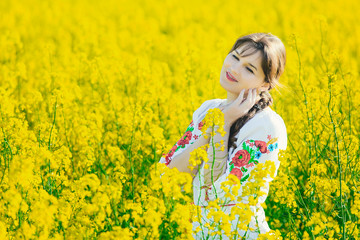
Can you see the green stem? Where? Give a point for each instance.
(338, 161)
(307, 115)
(213, 162)
(52, 126)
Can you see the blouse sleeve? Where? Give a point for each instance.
(192, 133)
(257, 145)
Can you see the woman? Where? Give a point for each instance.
(254, 132)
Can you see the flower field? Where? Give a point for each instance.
(93, 93)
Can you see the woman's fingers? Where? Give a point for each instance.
(241, 96)
(249, 98)
(253, 97)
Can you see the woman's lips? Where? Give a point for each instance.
(230, 77)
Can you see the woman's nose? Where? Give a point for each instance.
(235, 67)
(234, 71)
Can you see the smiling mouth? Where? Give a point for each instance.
(228, 76)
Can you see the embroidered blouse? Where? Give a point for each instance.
(192, 133)
(259, 140)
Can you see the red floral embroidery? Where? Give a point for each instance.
(206, 192)
(201, 124)
(241, 158)
(249, 165)
(185, 139)
(248, 156)
(261, 145)
(169, 155)
(237, 172)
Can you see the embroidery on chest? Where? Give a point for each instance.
(248, 156)
(184, 140)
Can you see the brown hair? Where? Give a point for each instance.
(273, 64)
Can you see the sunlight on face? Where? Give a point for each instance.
(247, 72)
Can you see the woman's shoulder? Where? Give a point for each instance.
(268, 121)
(268, 117)
(206, 105)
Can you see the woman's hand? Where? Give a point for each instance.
(239, 107)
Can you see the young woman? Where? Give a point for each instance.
(254, 132)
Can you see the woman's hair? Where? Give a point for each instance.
(273, 64)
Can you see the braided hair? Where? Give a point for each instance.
(266, 100)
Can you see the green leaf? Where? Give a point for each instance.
(245, 147)
(231, 167)
(252, 155)
(189, 129)
(244, 178)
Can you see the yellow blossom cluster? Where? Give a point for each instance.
(213, 122)
(197, 156)
(93, 93)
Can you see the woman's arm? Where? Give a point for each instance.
(218, 155)
(181, 161)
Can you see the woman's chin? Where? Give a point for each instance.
(224, 86)
(229, 89)
(227, 85)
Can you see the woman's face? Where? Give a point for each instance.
(246, 71)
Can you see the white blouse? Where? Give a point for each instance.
(259, 140)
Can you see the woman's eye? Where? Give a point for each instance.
(249, 70)
(238, 59)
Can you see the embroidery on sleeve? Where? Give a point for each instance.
(184, 140)
(207, 189)
(248, 156)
